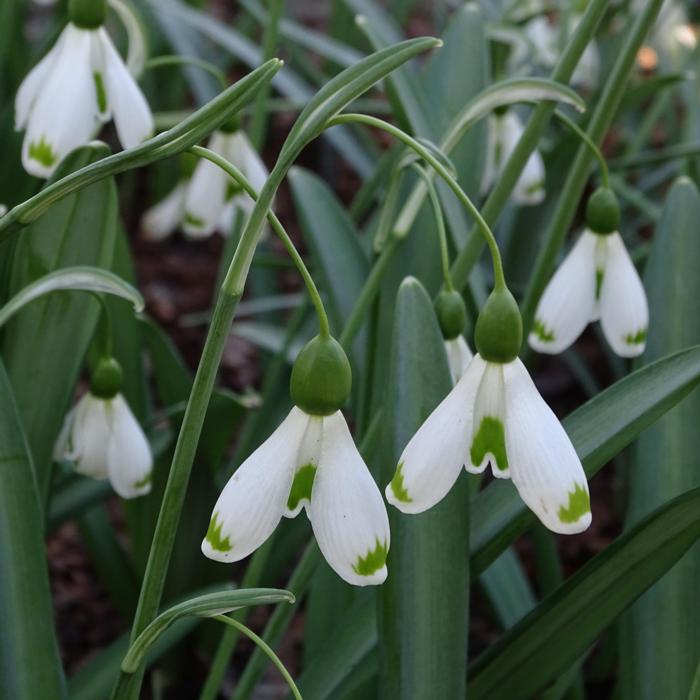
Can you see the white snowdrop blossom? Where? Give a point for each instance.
(495, 414)
(504, 132)
(81, 83)
(310, 461)
(458, 357)
(105, 441)
(596, 280)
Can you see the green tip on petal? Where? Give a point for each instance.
(302, 485)
(192, 220)
(542, 332)
(397, 486)
(598, 282)
(491, 439)
(100, 91)
(142, 483)
(42, 153)
(373, 561)
(579, 505)
(214, 536)
(636, 338)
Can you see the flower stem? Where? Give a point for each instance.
(232, 171)
(660, 155)
(583, 136)
(176, 60)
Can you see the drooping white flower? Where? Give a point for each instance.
(504, 132)
(458, 356)
(105, 441)
(310, 461)
(81, 83)
(495, 415)
(597, 280)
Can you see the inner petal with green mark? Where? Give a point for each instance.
(542, 332)
(42, 153)
(636, 338)
(301, 486)
(397, 486)
(373, 561)
(490, 440)
(215, 536)
(193, 220)
(142, 483)
(100, 92)
(578, 506)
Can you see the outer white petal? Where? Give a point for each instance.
(432, 460)
(64, 113)
(458, 357)
(347, 512)
(529, 189)
(543, 36)
(206, 193)
(623, 302)
(588, 67)
(305, 467)
(544, 465)
(494, 147)
(225, 223)
(90, 437)
(63, 448)
(569, 300)
(163, 218)
(252, 164)
(129, 458)
(35, 81)
(132, 115)
(255, 497)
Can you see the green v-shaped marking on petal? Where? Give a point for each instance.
(373, 560)
(397, 486)
(301, 486)
(542, 332)
(215, 537)
(100, 92)
(490, 439)
(42, 153)
(579, 505)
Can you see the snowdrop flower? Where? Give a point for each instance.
(103, 439)
(452, 319)
(597, 280)
(495, 415)
(309, 462)
(504, 132)
(81, 83)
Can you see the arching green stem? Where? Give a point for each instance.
(440, 169)
(232, 171)
(602, 163)
(175, 60)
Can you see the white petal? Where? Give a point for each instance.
(90, 437)
(35, 81)
(305, 467)
(251, 163)
(163, 218)
(255, 497)
(132, 115)
(206, 193)
(458, 357)
(63, 447)
(98, 61)
(64, 114)
(623, 302)
(347, 512)
(529, 189)
(129, 457)
(544, 37)
(432, 460)
(544, 465)
(569, 299)
(488, 437)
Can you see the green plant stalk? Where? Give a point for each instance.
(660, 155)
(258, 122)
(169, 143)
(583, 136)
(496, 201)
(176, 60)
(578, 174)
(262, 645)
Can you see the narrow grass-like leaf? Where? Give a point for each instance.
(660, 644)
(566, 623)
(30, 667)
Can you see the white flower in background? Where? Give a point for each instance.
(104, 440)
(310, 461)
(3, 210)
(458, 357)
(208, 200)
(495, 414)
(81, 83)
(504, 132)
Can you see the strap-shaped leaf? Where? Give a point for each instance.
(564, 625)
(599, 430)
(205, 605)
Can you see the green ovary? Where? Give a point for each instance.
(42, 153)
(301, 486)
(397, 486)
(540, 330)
(579, 505)
(215, 537)
(373, 561)
(491, 439)
(636, 338)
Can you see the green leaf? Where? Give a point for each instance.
(554, 635)
(660, 643)
(423, 606)
(45, 344)
(30, 667)
(599, 430)
(79, 278)
(205, 605)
